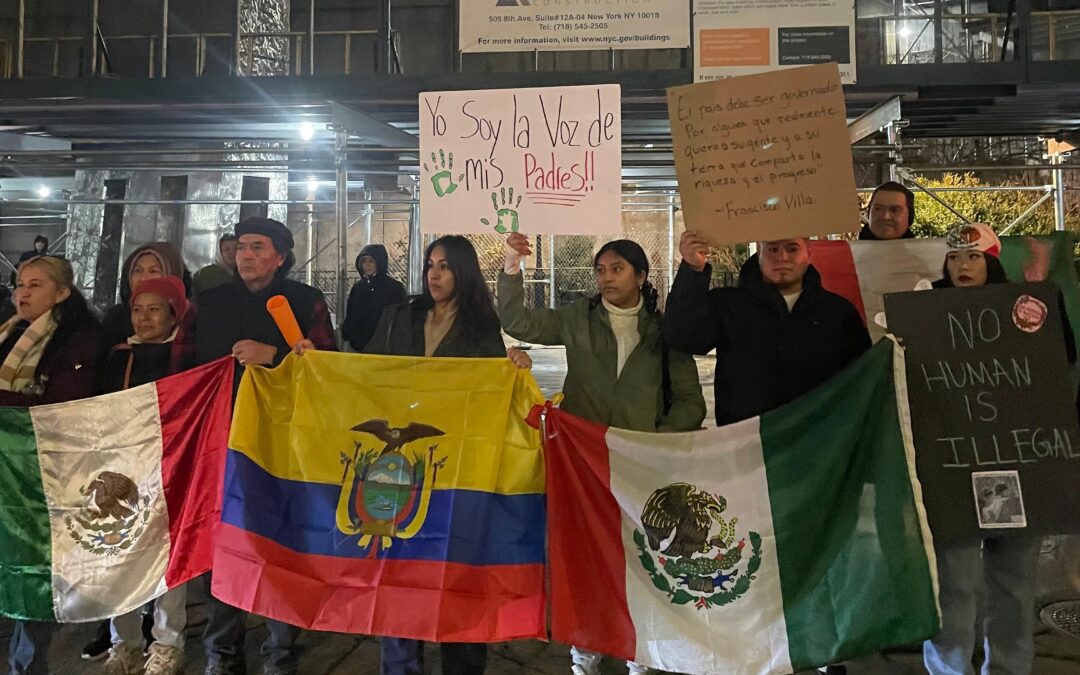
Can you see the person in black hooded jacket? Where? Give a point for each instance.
(41, 247)
(777, 335)
(375, 291)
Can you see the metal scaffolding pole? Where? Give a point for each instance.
(310, 243)
(92, 47)
(930, 193)
(341, 215)
(416, 246)
(164, 38)
(369, 211)
(551, 271)
(22, 39)
(1059, 192)
(671, 241)
(892, 137)
(1050, 192)
(311, 37)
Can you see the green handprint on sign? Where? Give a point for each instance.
(507, 215)
(443, 180)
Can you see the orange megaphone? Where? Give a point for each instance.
(281, 311)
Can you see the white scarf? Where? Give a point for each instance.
(624, 324)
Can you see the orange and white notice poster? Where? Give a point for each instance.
(743, 37)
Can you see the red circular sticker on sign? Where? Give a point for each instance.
(1029, 314)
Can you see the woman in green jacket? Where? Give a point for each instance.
(619, 372)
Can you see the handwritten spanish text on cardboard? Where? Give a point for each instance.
(542, 161)
(764, 157)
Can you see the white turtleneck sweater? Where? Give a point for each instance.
(624, 323)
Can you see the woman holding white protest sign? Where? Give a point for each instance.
(620, 372)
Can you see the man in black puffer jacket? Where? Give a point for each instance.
(777, 335)
(375, 291)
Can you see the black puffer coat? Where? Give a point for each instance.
(765, 355)
(369, 297)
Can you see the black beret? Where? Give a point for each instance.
(268, 227)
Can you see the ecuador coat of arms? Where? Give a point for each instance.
(385, 492)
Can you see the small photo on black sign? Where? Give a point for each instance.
(999, 501)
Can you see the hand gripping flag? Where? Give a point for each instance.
(108, 502)
(783, 542)
(386, 495)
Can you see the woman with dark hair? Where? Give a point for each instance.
(49, 352)
(619, 370)
(454, 317)
(998, 570)
(150, 261)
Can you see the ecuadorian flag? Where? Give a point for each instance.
(386, 495)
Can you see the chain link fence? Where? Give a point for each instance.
(650, 219)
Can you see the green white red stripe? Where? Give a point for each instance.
(864, 271)
(821, 551)
(107, 502)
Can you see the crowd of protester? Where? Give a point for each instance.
(777, 334)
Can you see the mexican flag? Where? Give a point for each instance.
(108, 502)
(791, 540)
(864, 271)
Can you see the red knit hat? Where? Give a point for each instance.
(170, 288)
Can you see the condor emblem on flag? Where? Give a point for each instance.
(411, 507)
(385, 494)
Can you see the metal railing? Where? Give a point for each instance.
(295, 67)
(92, 44)
(963, 38)
(918, 36)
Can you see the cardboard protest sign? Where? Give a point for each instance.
(993, 409)
(542, 161)
(764, 157)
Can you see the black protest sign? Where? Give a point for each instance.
(993, 410)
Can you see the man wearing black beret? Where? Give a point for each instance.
(232, 320)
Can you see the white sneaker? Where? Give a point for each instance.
(123, 660)
(634, 669)
(164, 660)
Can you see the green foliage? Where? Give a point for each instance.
(998, 209)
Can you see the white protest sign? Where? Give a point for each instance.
(542, 161)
